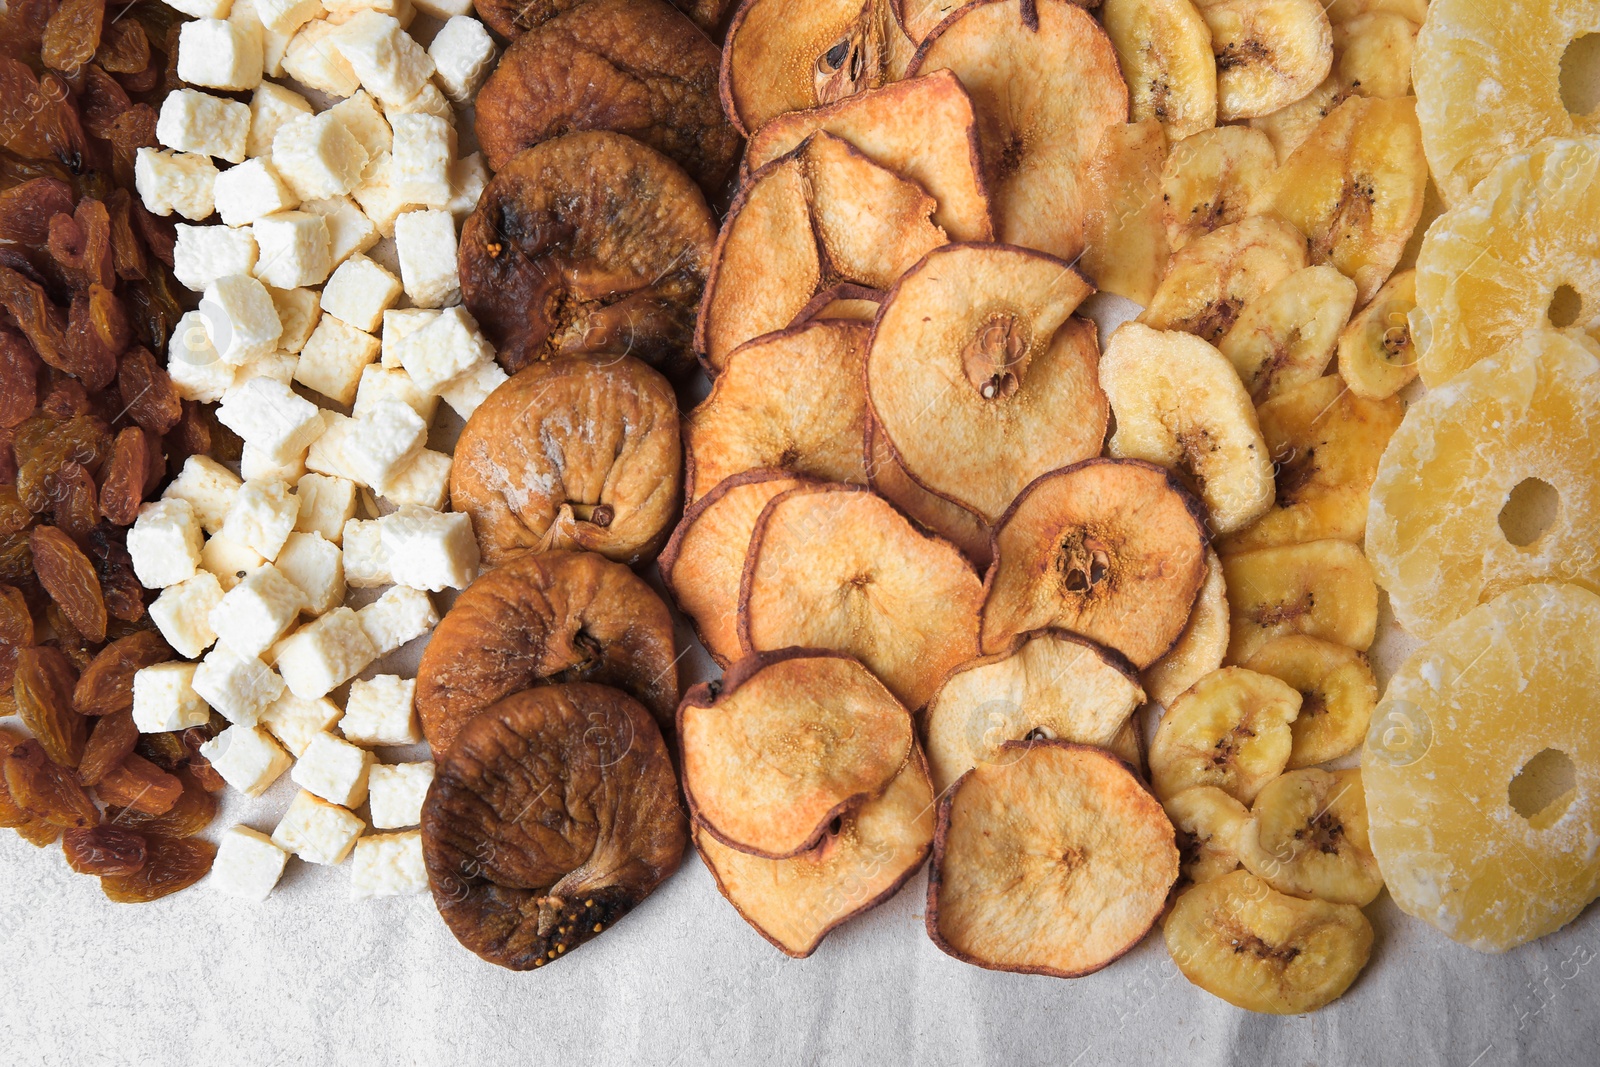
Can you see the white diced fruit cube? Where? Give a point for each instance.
(426, 243)
(273, 44)
(429, 549)
(365, 121)
(203, 254)
(295, 249)
(388, 865)
(381, 711)
(395, 793)
(425, 481)
(257, 611)
(359, 292)
(466, 392)
(332, 361)
(192, 121)
(379, 194)
(236, 684)
(392, 383)
(164, 542)
(318, 156)
(255, 465)
(271, 107)
(220, 54)
(330, 453)
(463, 54)
(247, 758)
(316, 567)
(383, 441)
(252, 189)
(324, 654)
(424, 146)
(342, 11)
(208, 487)
(168, 181)
(262, 516)
(402, 323)
(400, 615)
(366, 564)
(428, 101)
(229, 560)
(193, 364)
(349, 229)
(468, 176)
(312, 60)
(391, 66)
(279, 366)
(247, 865)
(271, 416)
(287, 16)
(201, 9)
(326, 504)
(241, 319)
(316, 831)
(334, 770)
(443, 350)
(294, 721)
(183, 613)
(164, 699)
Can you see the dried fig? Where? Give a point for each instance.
(512, 18)
(553, 815)
(572, 453)
(547, 617)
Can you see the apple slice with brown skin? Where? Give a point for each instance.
(1052, 860)
(1048, 684)
(785, 743)
(1114, 550)
(835, 566)
(980, 377)
(956, 524)
(1046, 84)
(923, 129)
(703, 562)
(862, 860)
(873, 224)
(848, 301)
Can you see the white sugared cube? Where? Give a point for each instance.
(287, 16)
(209, 489)
(193, 363)
(359, 292)
(426, 244)
(342, 11)
(220, 54)
(271, 106)
(271, 416)
(164, 542)
(203, 254)
(257, 611)
(164, 699)
(318, 156)
(256, 465)
(332, 361)
(385, 439)
(330, 453)
(349, 229)
(295, 249)
(379, 194)
(250, 190)
(298, 311)
(366, 564)
(241, 319)
(247, 758)
(381, 711)
(428, 101)
(390, 65)
(443, 350)
(312, 60)
(468, 176)
(316, 831)
(388, 865)
(430, 549)
(316, 567)
(334, 770)
(262, 516)
(424, 147)
(465, 392)
(326, 504)
(424, 482)
(363, 118)
(279, 366)
(392, 383)
(399, 616)
(463, 54)
(322, 655)
(400, 323)
(192, 121)
(183, 613)
(229, 560)
(294, 722)
(236, 684)
(169, 181)
(395, 792)
(247, 865)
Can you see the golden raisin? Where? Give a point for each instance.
(165, 750)
(106, 687)
(103, 850)
(191, 813)
(69, 578)
(80, 243)
(98, 330)
(110, 742)
(45, 789)
(139, 784)
(43, 691)
(124, 47)
(171, 864)
(101, 101)
(19, 379)
(73, 508)
(148, 395)
(26, 209)
(73, 34)
(125, 477)
(123, 594)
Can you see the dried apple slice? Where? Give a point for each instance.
(1209, 824)
(1269, 53)
(1125, 225)
(1211, 279)
(1055, 862)
(1377, 354)
(1046, 85)
(1230, 730)
(591, 242)
(1286, 336)
(1048, 684)
(923, 129)
(980, 378)
(785, 743)
(793, 400)
(1179, 403)
(1307, 836)
(1325, 443)
(919, 17)
(1200, 648)
(1165, 50)
(872, 224)
(860, 863)
(543, 618)
(1113, 550)
(956, 524)
(847, 301)
(1322, 588)
(703, 562)
(1337, 694)
(834, 566)
(1212, 179)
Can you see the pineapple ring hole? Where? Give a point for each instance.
(1544, 788)
(1530, 509)
(1580, 75)
(1565, 306)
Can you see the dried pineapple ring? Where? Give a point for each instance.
(1482, 770)
(1469, 477)
(1491, 268)
(1488, 82)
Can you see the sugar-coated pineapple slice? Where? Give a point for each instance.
(1482, 770)
(1212, 179)
(1325, 444)
(1285, 336)
(1494, 267)
(1210, 280)
(1209, 824)
(1490, 483)
(1230, 730)
(1337, 694)
(1256, 948)
(1125, 224)
(1489, 83)
(1269, 53)
(1322, 588)
(1307, 836)
(1164, 48)
(1377, 357)
(1200, 648)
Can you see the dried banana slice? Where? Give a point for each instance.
(1285, 336)
(1212, 179)
(1178, 403)
(1241, 940)
(1377, 357)
(1307, 836)
(1164, 48)
(1325, 443)
(1210, 280)
(1125, 226)
(1230, 730)
(1337, 694)
(1269, 53)
(1201, 646)
(1323, 588)
(1209, 824)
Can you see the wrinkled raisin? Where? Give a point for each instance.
(165, 750)
(129, 132)
(16, 559)
(44, 445)
(39, 832)
(13, 516)
(192, 812)
(69, 578)
(98, 331)
(101, 102)
(43, 691)
(104, 850)
(65, 397)
(26, 209)
(139, 784)
(171, 864)
(46, 789)
(73, 508)
(16, 633)
(110, 742)
(106, 687)
(80, 243)
(38, 120)
(19, 379)
(123, 594)
(147, 391)
(73, 34)
(124, 47)
(23, 23)
(40, 320)
(125, 477)
(127, 247)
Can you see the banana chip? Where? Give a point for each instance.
(1269, 53)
